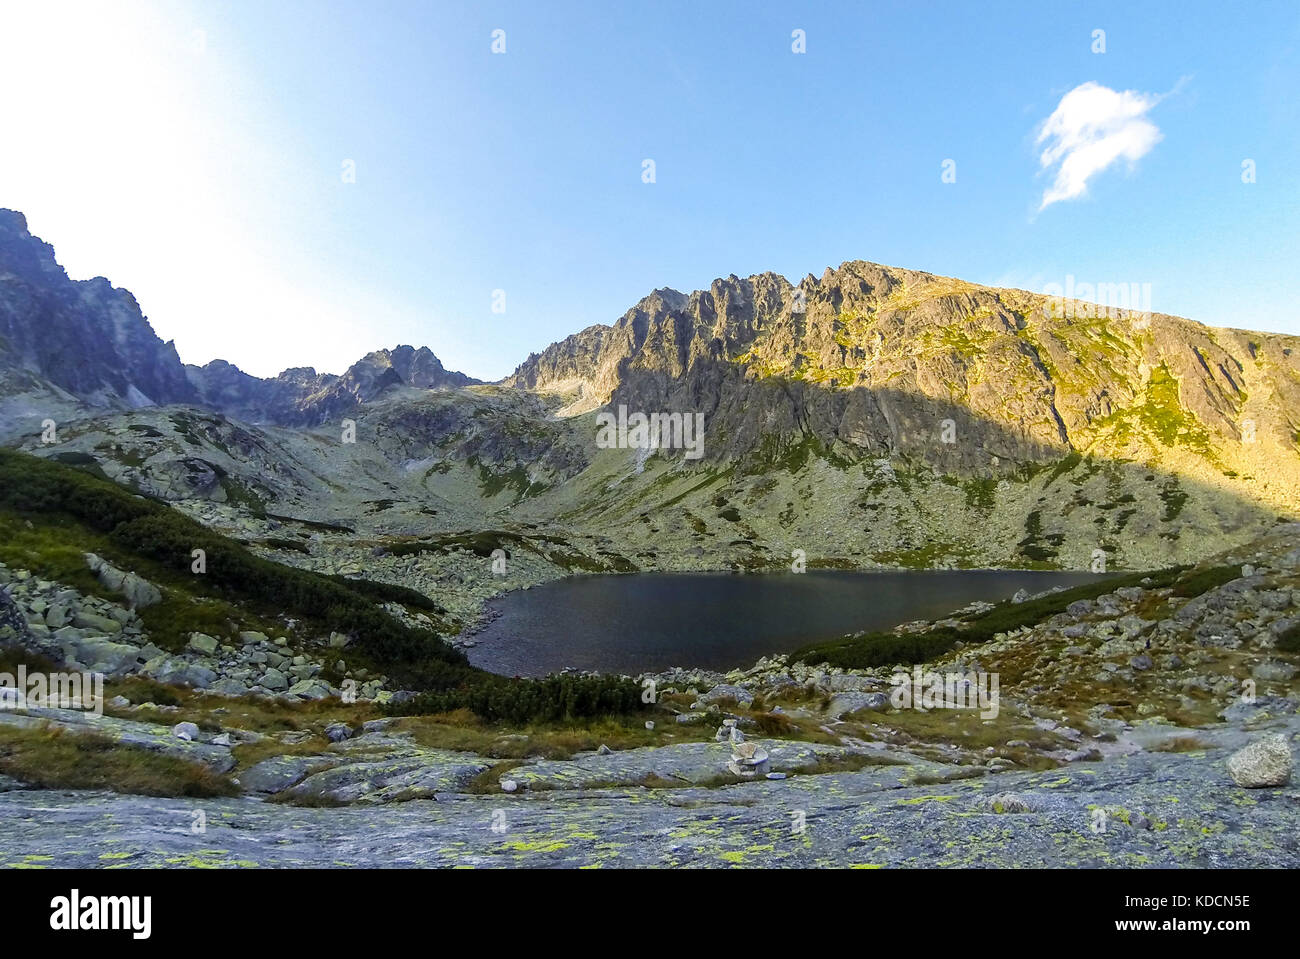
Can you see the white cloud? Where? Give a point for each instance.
(1091, 129)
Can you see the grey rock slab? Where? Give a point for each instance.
(103, 655)
(181, 673)
(687, 763)
(228, 687)
(87, 619)
(139, 592)
(311, 689)
(1273, 671)
(274, 680)
(202, 643)
(281, 772)
(417, 773)
(728, 692)
(1195, 822)
(852, 702)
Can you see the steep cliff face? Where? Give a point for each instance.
(871, 360)
(85, 337)
(88, 341)
(584, 369)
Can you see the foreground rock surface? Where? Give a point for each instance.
(1154, 810)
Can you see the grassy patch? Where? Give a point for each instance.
(250, 754)
(53, 546)
(1174, 498)
(709, 480)
(938, 777)
(297, 546)
(1032, 546)
(551, 699)
(554, 549)
(462, 730)
(489, 780)
(11, 657)
(313, 524)
(1181, 744)
(140, 689)
(513, 480)
(775, 454)
(979, 493)
(1066, 465)
(56, 759)
(1160, 414)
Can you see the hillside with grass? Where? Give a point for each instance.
(55, 513)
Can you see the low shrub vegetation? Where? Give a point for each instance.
(1203, 580)
(551, 699)
(160, 542)
(869, 650)
(56, 759)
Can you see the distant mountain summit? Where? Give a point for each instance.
(90, 340)
(301, 396)
(85, 337)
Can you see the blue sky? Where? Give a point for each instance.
(194, 154)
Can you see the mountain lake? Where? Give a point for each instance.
(646, 622)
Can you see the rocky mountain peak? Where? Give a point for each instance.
(418, 368)
(86, 337)
(300, 396)
(91, 340)
(869, 359)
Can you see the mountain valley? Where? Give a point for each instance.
(277, 579)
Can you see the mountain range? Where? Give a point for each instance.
(872, 415)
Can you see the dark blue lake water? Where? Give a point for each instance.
(650, 621)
